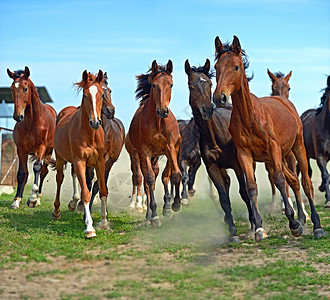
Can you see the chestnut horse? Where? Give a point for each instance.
(114, 133)
(257, 126)
(154, 131)
(33, 134)
(316, 124)
(216, 144)
(79, 139)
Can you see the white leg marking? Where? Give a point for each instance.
(139, 206)
(89, 220)
(34, 196)
(16, 203)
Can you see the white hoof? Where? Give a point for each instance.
(184, 201)
(139, 206)
(132, 205)
(16, 203)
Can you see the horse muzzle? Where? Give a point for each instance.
(18, 118)
(220, 101)
(95, 124)
(207, 112)
(162, 113)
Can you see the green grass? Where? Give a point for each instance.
(188, 257)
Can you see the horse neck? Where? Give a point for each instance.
(243, 104)
(325, 114)
(33, 109)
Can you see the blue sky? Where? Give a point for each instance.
(58, 40)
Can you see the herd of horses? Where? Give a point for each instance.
(223, 135)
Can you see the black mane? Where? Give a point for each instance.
(200, 69)
(18, 73)
(227, 47)
(324, 97)
(279, 75)
(144, 84)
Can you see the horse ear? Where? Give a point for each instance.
(85, 75)
(105, 75)
(287, 77)
(187, 67)
(169, 67)
(26, 72)
(11, 74)
(271, 75)
(99, 76)
(236, 45)
(154, 67)
(218, 45)
(207, 66)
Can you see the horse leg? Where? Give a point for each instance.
(300, 153)
(167, 197)
(59, 179)
(243, 192)
(22, 175)
(175, 175)
(185, 178)
(43, 174)
(216, 175)
(322, 164)
(72, 205)
(192, 175)
(149, 177)
(247, 164)
(270, 172)
(138, 182)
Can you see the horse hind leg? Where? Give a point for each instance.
(300, 153)
(167, 197)
(185, 179)
(322, 164)
(33, 199)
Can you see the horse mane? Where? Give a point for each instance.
(227, 47)
(323, 98)
(18, 73)
(200, 69)
(144, 84)
(279, 74)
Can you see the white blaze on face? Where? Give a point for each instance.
(16, 85)
(93, 90)
(203, 79)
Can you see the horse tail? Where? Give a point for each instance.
(52, 163)
(32, 158)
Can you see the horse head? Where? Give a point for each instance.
(107, 108)
(21, 92)
(280, 83)
(199, 82)
(161, 87)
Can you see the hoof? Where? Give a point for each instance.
(90, 234)
(297, 232)
(166, 212)
(191, 193)
(234, 239)
(318, 233)
(176, 206)
(321, 188)
(32, 204)
(184, 201)
(260, 234)
(139, 209)
(80, 208)
(56, 216)
(16, 203)
(327, 204)
(155, 222)
(71, 208)
(104, 224)
(283, 211)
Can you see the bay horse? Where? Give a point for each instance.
(281, 87)
(114, 133)
(33, 134)
(257, 126)
(216, 144)
(79, 139)
(154, 131)
(316, 124)
(189, 157)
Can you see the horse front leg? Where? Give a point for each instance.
(192, 175)
(322, 164)
(22, 175)
(185, 179)
(59, 180)
(76, 196)
(167, 197)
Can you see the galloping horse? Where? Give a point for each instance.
(114, 133)
(154, 131)
(33, 134)
(79, 139)
(189, 156)
(257, 126)
(216, 144)
(316, 124)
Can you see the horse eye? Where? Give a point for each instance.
(171, 85)
(25, 90)
(153, 85)
(236, 68)
(110, 91)
(84, 96)
(289, 89)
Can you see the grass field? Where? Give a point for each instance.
(188, 257)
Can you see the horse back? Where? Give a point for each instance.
(114, 135)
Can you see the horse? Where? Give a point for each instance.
(79, 139)
(216, 144)
(257, 126)
(189, 155)
(114, 133)
(281, 87)
(316, 125)
(153, 132)
(33, 134)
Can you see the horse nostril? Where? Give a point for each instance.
(223, 98)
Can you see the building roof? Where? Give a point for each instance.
(5, 94)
